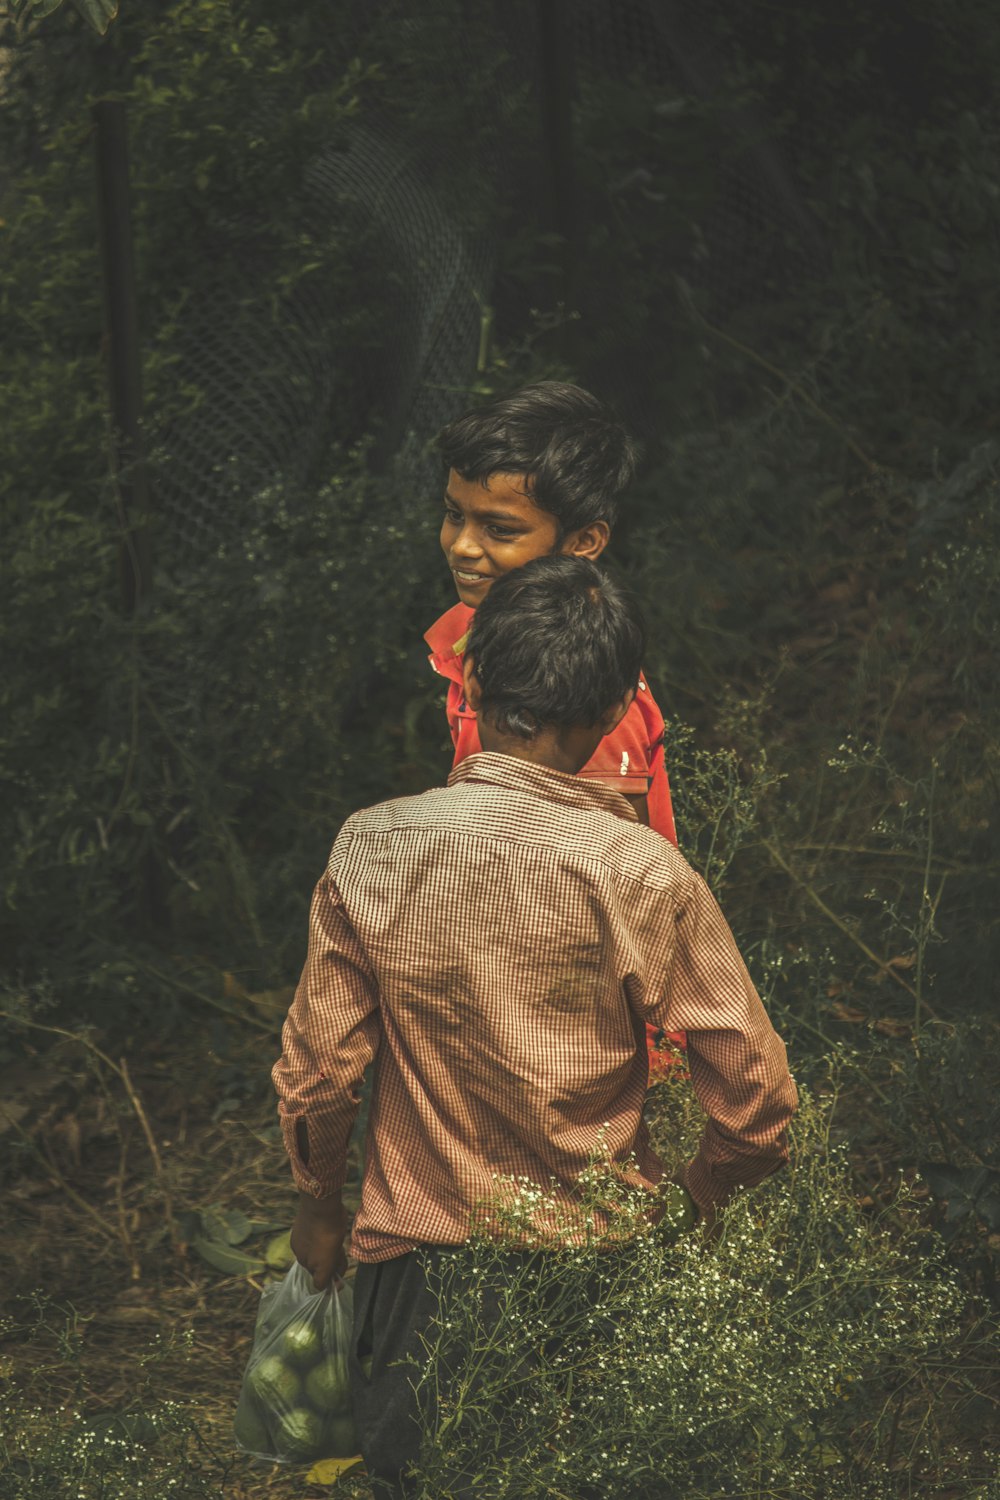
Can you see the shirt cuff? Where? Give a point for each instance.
(321, 1184)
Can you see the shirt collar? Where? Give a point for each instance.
(539, 781)
(447, 638)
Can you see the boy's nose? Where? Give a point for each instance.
(465, 545)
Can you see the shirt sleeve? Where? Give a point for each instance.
(330, 1034)
(737, 1061)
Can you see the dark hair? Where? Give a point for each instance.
(554, 642)
(577, 458)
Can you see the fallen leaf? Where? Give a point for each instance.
(848, 1013)
(224, 1258)
(838, 593)
(131, 1314)
(12, 1112)
(227, 1224)
(326, 1470)
(892, 1026)
(273, 1002)
(74, 1137)
(231, 987)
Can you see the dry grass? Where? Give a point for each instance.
(105, 1311)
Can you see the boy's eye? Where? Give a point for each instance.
(454, 516)
(502, 533)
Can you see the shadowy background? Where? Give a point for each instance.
(769, 236)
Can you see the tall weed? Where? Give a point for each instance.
(800, 1356)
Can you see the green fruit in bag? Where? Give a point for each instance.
(340, 1440)
(300, 1434)
(301, 1344)
(327, 1385)
(277, 1386)
(249, 1427)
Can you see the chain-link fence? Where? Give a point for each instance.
(265, 412)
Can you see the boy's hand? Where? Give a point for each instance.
(318, 1235)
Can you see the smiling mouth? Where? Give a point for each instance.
(470, 578)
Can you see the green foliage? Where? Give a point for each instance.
(160, 767)
(217, 705)
(798, 1356)
(97, 13)
(150, 1445)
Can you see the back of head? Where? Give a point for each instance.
(556, 642)
(576, 456)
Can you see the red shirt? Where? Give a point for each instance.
(629, 759)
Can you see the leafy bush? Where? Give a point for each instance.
(183, 773)
(234, 728)
(800, 1356)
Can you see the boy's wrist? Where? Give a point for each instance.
(326, 1210)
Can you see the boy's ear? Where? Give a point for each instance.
(470, 684)
(589, 541)
(614, 715)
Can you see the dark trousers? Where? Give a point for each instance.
(394, 1303)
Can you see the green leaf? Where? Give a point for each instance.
(40, 7)
(988, 1208)
(98, 13)
(224, 1258)
(226, 1224)
(942, 1178)
(134, 1426)
(825, 1455)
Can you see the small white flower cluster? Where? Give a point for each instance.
(762, 1364)
(67, 1453)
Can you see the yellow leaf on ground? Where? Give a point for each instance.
(327, 1470)
(274, 1002)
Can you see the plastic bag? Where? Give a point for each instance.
(295, 1401)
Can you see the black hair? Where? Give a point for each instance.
(554, 642)
(576, 456)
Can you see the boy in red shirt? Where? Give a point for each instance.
(533, 473)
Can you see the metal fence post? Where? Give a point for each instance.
(122, 348)
(555, 73)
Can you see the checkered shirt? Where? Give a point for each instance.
(497, 946)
